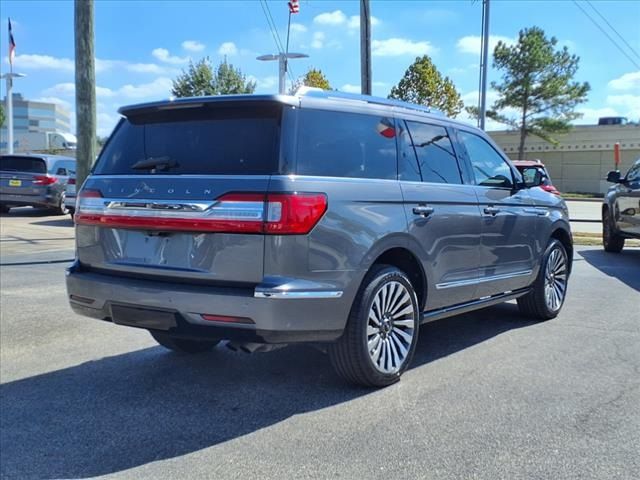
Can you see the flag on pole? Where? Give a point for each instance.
(294, 6)
(12, 45)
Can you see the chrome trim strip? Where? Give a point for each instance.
(475, 281)
(294, 295)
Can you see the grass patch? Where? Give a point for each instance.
(580, 195)
(594, 239)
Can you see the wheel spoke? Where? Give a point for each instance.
(373, 343)
(373, 317)
(383, 299)
(402, 334)
(372, 330)
(402, 301)
(402, 350)
(395, 358)
(404, 312)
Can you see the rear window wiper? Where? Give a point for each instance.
(159, 163)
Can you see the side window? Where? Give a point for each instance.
(489, 168)
(408, 169)
(337, 144)
(436, 159)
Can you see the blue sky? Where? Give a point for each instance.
(142, 45)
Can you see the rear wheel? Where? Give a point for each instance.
(183, 345)
(611, 240)
(61, 209)
(550, 288)
(382, 331)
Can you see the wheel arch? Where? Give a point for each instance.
(564, 237)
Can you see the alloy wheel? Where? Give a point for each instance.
(555, 284)
(390, 327)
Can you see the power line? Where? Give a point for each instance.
(631, 59)
(274, 32)
(614, 29)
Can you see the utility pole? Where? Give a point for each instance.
(85, 88)
(365, 47)
(482, 110)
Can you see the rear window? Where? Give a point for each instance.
(22, 164)
(206, 140)
(338, 144)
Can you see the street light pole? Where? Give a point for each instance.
(282, 66)
(365, 47)
(9, 78)
(482, 113)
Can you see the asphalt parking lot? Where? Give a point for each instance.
(490, 394)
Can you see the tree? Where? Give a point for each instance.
(1, 115)
(423, 84)
(202, 79)
(313, 78)
(537, 81)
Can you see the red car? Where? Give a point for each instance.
(528, 169)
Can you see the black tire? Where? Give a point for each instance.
(61, 209)
(4, 209)
(183, 345)
(534, 304)
(350, 355)
(72, 212)
(611, 240)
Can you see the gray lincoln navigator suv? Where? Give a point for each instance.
(323, 217)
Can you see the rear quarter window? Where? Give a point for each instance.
(9, 163)
(211, 141)
(338, 144)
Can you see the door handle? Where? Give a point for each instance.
(423, 210)
(493, 211)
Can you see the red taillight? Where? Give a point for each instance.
(550, 189)
(44, 180)
(274, 213)
(72, 181)
(294, 213)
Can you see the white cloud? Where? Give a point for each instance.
(152, 68)
(590, 116)
(628, 104)
(394, 47)
(160, 87)
(318, 40)
(43, 62)
(349, 88)
(228, 49)
(64, 89)
(298, 28)
(472, 43)
(354, 22)
(628, 81)
(330, 18)
(192, 46)
(265, 84)
(106, 123)
(163, 55)
(58, 101)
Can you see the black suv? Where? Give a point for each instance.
(621, 209)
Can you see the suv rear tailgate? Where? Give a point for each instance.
(161, 219)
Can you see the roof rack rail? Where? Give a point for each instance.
(314, 92)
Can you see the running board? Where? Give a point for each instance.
(470, 306)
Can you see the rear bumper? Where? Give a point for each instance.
(45, 200)
(313, 313)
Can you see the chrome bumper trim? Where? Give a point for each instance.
(294, 295)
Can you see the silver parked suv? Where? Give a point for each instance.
(322, 217)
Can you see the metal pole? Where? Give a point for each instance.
(485, 61)
(85, 88)
(365, 47)
(9, 114)
(282, 72)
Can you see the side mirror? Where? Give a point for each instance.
(534, 181)
(614, 176)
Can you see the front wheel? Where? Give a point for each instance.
(611, 240)
(550, 288)
(183, 345)
(382, 330)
